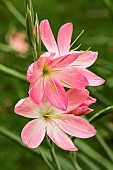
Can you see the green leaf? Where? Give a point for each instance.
(89, 151)
(105, 146)
(15, 12)
(88, 162)
(12, 72)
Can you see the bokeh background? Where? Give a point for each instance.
(96, 18)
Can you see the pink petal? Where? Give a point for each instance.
(47, 37)
(89, 101)
(85, 60)
(55, 93)
(76, 126)
(25, 107)
(92, 78)
(82, 110)
(48, 54)
(76, 97)
(65, 60)
(45, 59)
(73, 79)
(60, 138)
(77, 111)
(64, 38)
(36, 91)
(33, 133)
(86, 110)
(33, 74)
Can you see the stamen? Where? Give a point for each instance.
(77, 38)
(86, 51)
(63, 81)
(76, 47)
(83, 61)
(57, 117)
(52, 87)
(56, 69)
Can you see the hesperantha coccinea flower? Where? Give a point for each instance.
(62, 47)
(48, 76)
(59, 68)
(17, 41)
(54, 122)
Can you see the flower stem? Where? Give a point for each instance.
(101, 113)
(73, 159)
(12, 72)
(53, 154)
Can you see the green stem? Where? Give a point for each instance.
(34, 53)
(53, 154)
(12, 72)
(101, 113)
(73, 159)
(15, 12)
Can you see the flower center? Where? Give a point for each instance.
(50, 116)
(45, 71)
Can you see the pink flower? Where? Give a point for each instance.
(62, 47)
(82, 108)
(17, 42)
(56, 123)
(48, 75)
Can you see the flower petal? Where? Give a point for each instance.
(56, 95)
(47, 37)
(33, 133)
(90, 100)
(76, 97)
(76, 126)
(60, 138)
(85, 60)
(48, 54)
(33, 72)
(92, 78)
(36, 91)
(25, 107)
(73, 79)
(82, 110)
(64, 38)
(65, 60)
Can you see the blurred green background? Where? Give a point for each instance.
(96, 18)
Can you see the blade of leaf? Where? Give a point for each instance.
(12, 72)
(88, 150)
(88, 162)
(105, 146)
(15, 12)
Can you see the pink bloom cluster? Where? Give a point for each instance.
(17, 42)
(56, 111)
